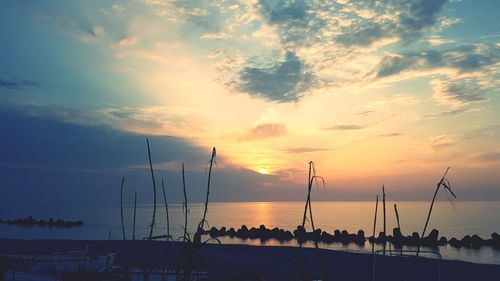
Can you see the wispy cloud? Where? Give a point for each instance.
(458, 92)
(443, 142)
(489, 157)
(463, 59)
(266, 130)
(491, 131)
(448, 113)
(348, 127)
(15, 84)
(300, 150)
(390, 135)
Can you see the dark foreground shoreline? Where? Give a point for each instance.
(271, 262)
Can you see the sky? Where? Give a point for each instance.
(374, 92)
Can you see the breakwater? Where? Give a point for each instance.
(30, 221)
(342, 236)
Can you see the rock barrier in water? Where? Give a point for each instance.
(343, 236)
(30, 221)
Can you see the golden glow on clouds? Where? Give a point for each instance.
(352, 126)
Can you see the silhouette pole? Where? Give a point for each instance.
(385, 225)
(154, 191)
(121, 208)
(397, 216)
(441, 182)
(135, 209)
(166, 209)
(203, 220)
(375, 224)
(185, 204)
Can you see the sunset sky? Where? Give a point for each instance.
(374, 92)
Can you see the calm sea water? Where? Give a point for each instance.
(480, 218)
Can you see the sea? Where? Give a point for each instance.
(101, 223)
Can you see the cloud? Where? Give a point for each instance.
(127, 41)
(437, 40)
(366, 112)
(442, 142)
(46, 140)
(284, 80)
(266, 130)
(404, 20)
(391, 135)
(350, 127)
(449, 113)
(361, 36)
(489, 157)
(14, 84)
(313, 39)
(492, 131)
(156, 120)
(71, 17)
(458, 92)
(419, 15)
(300, 150)
(463, 59)
(94, 33)
(350, 23)
(203, 15)
(78, 165)
(283, 11)
(298, 22)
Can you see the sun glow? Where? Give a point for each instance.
(263, 171)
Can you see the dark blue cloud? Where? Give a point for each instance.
(297, 21)
(14, 84)
(420, 14)
(283, 11)
(281, 81)
(44, 161)
(392, 65)
(464, 59)
(361, 35)
(46, 142)
(415, 16)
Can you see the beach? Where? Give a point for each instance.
(271, 263)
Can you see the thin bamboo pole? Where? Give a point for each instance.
(185, 203)
(154, 191)
(385, 224)
(166, 209)
(203, 220)
(135, 210)
(311, 215)
(309, 185)
(399, 225)
(311, 178)
(121, 208)
(375, 224)
(432, 205)
(397, 216)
